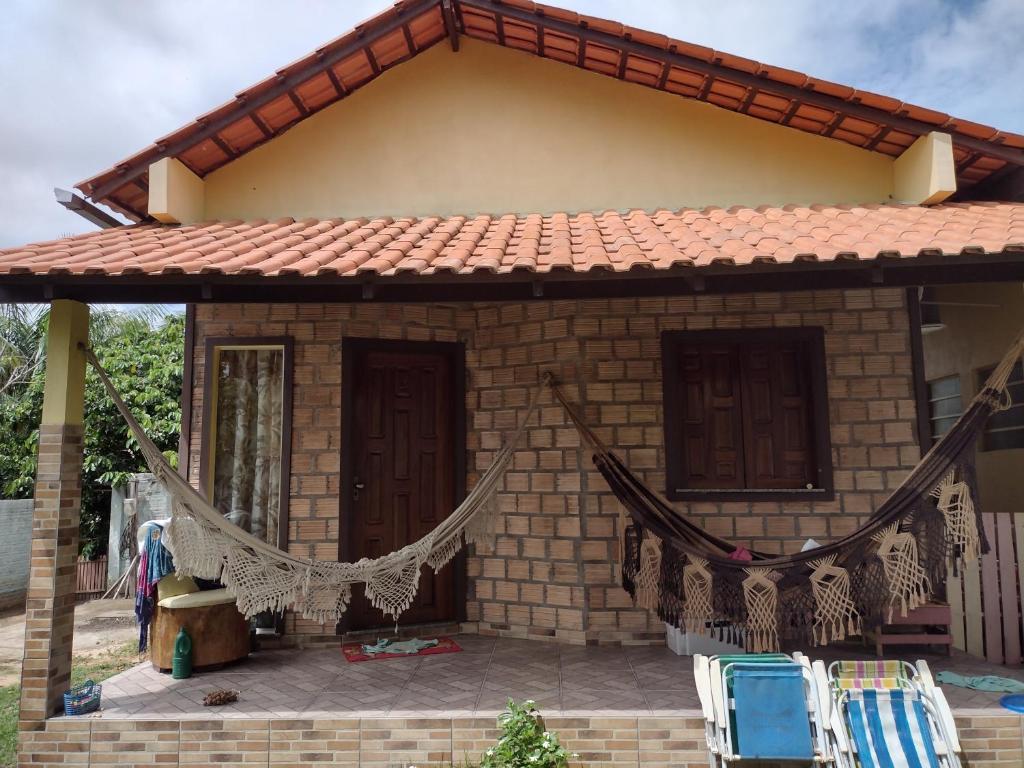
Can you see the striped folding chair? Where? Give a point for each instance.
(889, 729)
(893, 672)
(889, 714)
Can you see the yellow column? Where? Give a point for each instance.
(50, 605)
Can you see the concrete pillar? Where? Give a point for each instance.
(50, 605)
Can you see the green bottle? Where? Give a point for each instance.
(181, 665)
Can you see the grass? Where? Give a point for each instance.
(9, 724)
(96, 667)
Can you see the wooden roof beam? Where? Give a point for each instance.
(499, 29)
(884, 131)
(833, 124)
(746, 79)
(448, 16)
(243, 107)
(297, 102)
(223, 146)
(262, 126)
(748, 100)
(791, 110)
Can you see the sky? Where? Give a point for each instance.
(87, 82)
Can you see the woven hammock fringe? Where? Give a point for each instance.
(481, 529)
(698, 611)
(908, 582)
(835, 614)
(761, 594)
(647, 592)
(956, 502)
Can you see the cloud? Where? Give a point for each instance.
(87, 83)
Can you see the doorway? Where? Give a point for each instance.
(403, 465)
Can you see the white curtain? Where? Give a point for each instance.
(247, 460)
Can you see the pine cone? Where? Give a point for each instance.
(219, 698)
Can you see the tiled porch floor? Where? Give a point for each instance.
(563, 680)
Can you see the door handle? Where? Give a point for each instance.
(357, 486)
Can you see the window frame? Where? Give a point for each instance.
(813, 340)
(981, 376)
(930, 401)
(212, 348)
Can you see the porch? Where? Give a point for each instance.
(565, 680)
(612, 705)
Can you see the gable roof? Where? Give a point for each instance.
(340, 67)
(501, 245)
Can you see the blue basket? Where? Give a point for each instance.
(83, 699)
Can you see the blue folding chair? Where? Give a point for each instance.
(762, 711)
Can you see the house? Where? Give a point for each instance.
(383, 246)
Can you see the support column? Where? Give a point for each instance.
(50, 606)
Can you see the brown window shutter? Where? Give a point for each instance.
(712, 427)
(777, 439)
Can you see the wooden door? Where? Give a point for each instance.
(402, 471)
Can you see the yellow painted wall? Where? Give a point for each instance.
(490, 130)
(925, 173)
(64, 388)
(975, 338)
(175, 193)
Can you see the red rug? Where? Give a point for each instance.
(354, 651)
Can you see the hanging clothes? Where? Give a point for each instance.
(155, 562)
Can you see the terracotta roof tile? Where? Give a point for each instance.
(609, 240)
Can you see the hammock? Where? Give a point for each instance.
(264, 578)
(897, 560)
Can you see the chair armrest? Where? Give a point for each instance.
(717, 697)
(946, 720)
(824, 694)
(924, 675)
(703, 681)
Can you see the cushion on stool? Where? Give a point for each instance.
(198, 599)
(173, 584)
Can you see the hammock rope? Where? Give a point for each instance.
(264, 578)
(898, 559)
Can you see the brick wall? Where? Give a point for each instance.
(15, 534)
(50, 603)
(552, 573)
(989, 740)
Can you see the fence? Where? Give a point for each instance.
(92, 578)
(986, 598)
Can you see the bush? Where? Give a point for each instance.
(524, 742)
(144, 358)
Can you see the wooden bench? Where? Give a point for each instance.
(926, 625)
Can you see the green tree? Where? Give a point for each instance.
(143, 354)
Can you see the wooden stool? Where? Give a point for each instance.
(925, 625)
(220, 635)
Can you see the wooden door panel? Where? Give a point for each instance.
(711, 425)
(402, 456)
(776, 416)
